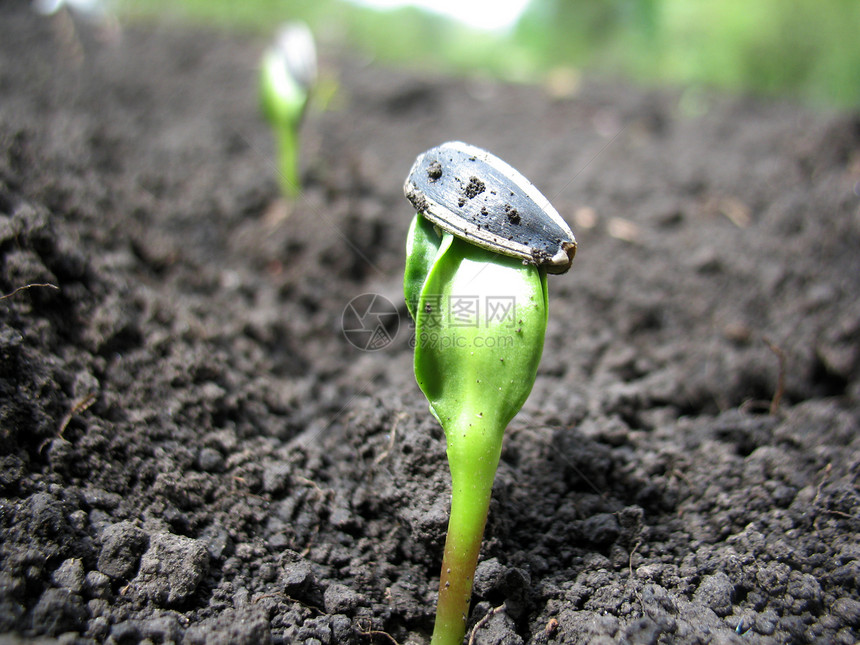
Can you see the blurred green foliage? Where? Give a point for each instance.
(406, 35)
(804, 48)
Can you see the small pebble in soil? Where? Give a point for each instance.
(715, 591)
(58, 611)
(70, 575)
(96, 585)
(122, 545)
(340, 599)
(171, 568)
(210, 460)
(848, 611)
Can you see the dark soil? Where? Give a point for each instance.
(192, 452)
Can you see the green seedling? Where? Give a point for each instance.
(480, 319)
(288, 72)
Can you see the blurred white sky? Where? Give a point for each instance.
(482, 14)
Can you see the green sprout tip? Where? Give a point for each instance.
(288, 73)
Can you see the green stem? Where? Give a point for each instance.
(474, 447)
(288, 160)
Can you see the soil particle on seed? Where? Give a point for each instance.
(474, 188)
(434, 171)
(417, 199)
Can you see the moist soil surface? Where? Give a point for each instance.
(193, 451)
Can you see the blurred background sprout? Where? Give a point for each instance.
(288, 72)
